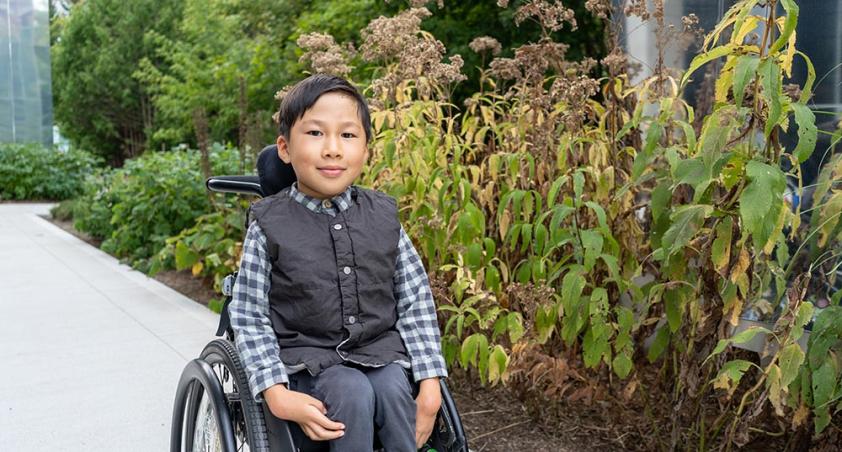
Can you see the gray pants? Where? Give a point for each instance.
(366, 400)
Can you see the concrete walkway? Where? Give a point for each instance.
(90, 350)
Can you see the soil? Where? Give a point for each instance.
(494, 418)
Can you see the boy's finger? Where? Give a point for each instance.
(324, 434)
(323, 421)
(318, 404)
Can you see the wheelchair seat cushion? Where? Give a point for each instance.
(274, 174)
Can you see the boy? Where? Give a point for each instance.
(332, 309)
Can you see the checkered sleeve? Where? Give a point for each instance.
(249, 310)
(417, 323)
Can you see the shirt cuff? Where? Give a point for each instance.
(431, 366)
(265, 379)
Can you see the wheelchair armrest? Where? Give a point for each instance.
(247, 185)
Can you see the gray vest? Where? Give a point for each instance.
(331, 298)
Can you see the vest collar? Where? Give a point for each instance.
(341, 201)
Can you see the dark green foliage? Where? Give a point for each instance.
(99, 104)
(153, 197)
(31, 171)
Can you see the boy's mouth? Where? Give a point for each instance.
(331, 171)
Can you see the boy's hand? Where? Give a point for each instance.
(428, 403)
(306, 411)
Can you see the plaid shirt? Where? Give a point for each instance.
(249, 309)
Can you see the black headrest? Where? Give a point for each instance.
(274, 174)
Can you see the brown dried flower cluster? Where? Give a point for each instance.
(574, 90)
(599, 8)
(385, 37)
(636, 8)
(506, 69)
(323, 55)
(484, 44)
(423, 3)
(551, 16)
(538, 57)
(416, 54)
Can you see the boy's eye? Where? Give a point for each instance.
(348, 135)
(314, 133)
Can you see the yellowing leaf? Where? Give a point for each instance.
(721, 249)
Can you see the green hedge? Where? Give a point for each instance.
(32, 171)
(134, 209)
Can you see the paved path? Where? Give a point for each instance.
(90, 350)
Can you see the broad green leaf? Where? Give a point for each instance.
(744, 73)
(690, 171)
(804, 315)
(720, 252)
(761, 200)
(807, 132)
(772, 92)
(686, 221)
(622, 365)
(470, 346)
(592, 244)
(674, 304)
(731, 374)
(791, 9)
(824, 383)
(790, 360)
(515, 326)
(497, 364)
(659, 344)
(641, 161)
(184, 256)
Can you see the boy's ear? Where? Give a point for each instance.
(283, 149)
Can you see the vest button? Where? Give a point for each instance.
(352, 320)
(346, 270)
(337, 226)
(327, 204)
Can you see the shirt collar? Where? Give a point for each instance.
(341, 201)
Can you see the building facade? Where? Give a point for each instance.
(26, 107)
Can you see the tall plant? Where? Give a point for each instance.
(564, 233)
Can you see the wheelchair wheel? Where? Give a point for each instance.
(246, 415)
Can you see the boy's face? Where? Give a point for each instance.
(326, 147)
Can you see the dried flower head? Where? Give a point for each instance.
(323, 55)
(536, 58)
(599, 8)
(551, 16)
(503, 3)
(416, 55)
(615, 61)
(637, 8)
(506, 69)
(423, 3)
(484, 44)
(385, 37)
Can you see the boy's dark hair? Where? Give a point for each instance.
(305, 93)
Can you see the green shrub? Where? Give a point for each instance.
(134, 209)
(31, 171)
(63, 211)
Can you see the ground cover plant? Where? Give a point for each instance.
(34, 172)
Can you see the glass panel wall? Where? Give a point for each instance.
(26, 108)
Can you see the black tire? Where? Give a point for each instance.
(246, 414)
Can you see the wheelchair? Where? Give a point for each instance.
(214, 410)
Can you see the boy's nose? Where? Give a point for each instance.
(332, 148)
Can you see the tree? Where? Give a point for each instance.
(99, 104)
